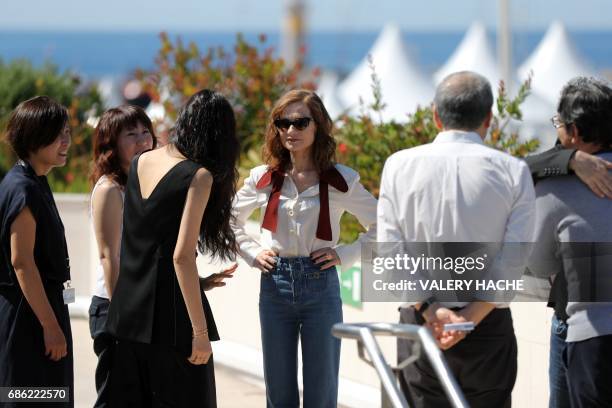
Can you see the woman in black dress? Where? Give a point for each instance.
(178, 198)
(35, 335)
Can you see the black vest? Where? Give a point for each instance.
(147, 305)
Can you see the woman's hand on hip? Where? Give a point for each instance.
(265, 261)
(56, 347)
(325, 258)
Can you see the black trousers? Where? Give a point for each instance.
(103, 344)
(22, 346)
(156, 376)
(589, 372)
(484, 365)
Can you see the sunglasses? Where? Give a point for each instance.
(298, 123)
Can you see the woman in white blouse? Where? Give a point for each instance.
(302, 194)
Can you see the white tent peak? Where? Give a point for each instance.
(328, 91)
(474, 53)
(554, 62)
(390, 34)
(403, 83)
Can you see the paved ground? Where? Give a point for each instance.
(234, 389)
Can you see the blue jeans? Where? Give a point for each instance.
(298, 301)
(557, 369)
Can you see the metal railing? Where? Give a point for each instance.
(392, 396)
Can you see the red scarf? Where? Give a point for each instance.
(329, 177)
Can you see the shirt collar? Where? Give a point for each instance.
(29, 170)
(331, 176)
(276, 179)
(458, 136)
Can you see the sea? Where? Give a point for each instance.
(94, 55)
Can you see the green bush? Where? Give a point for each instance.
(19, 81)
(249, 76)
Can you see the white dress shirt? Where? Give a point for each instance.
(298, 215)
(457, 189)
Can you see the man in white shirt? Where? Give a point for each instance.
(457, 189)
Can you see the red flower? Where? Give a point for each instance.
(69, 177)
(342, 148)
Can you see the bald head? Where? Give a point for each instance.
(463, 101)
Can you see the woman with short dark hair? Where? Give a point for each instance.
(303, 194)
(178, 198)
(35, 335)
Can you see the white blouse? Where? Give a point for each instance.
(298, 215)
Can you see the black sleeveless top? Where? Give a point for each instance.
(147, 305)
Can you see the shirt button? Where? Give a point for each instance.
(290, 213)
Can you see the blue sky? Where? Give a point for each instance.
(254, 15)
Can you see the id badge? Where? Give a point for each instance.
(69, 294)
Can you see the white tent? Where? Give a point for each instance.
(474, 53)
(537, 109)
(403, 84)
(554, 62)
(327, 90)
(536, 121)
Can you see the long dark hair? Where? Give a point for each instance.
(205, 132)
(112, 123)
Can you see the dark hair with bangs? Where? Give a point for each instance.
(34, 124)
(112, 123)
(205, 132)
